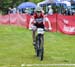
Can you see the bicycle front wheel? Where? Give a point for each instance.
(41, 50)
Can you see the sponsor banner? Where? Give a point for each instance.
(28, 17)
(13, 18)
(20, 19)
(66, 24)
(52, 19)
(4, 19)
(62, 23)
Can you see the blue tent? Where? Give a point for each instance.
(27, 5)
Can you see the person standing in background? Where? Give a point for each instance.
(50, 12)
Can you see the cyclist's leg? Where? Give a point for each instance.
(33, 34)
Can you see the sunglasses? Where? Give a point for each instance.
(38, 11)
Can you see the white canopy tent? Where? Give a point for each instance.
(67, 2)
(48, 1)
(45, 2)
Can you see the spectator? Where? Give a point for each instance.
(26, 11)
(65, 12)
(50, 12)
(14, 10)
(10, 10)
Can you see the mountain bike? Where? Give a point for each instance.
(39, 48)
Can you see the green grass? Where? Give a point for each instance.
(16, 48)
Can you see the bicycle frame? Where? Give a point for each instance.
(40, 43)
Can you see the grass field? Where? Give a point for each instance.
(16, 48)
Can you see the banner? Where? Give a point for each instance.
(20, 20)
(66, 24)
(52, 19)
(13, 18)
(28, 17)
(61, 23)
(4, 19)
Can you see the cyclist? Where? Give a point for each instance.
(37, 21)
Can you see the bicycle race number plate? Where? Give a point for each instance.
(40, 31)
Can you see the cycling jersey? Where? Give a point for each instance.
(39, 20)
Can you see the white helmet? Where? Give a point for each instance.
(38, 8)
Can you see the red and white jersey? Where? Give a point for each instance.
(39, 20)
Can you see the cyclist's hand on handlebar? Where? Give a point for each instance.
(50, 29)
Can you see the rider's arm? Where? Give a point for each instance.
(30, 23)
(49, 23)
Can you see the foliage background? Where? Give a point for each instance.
(5, 4)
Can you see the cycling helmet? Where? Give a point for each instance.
(38, 9)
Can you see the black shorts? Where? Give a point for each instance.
(39, 25)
